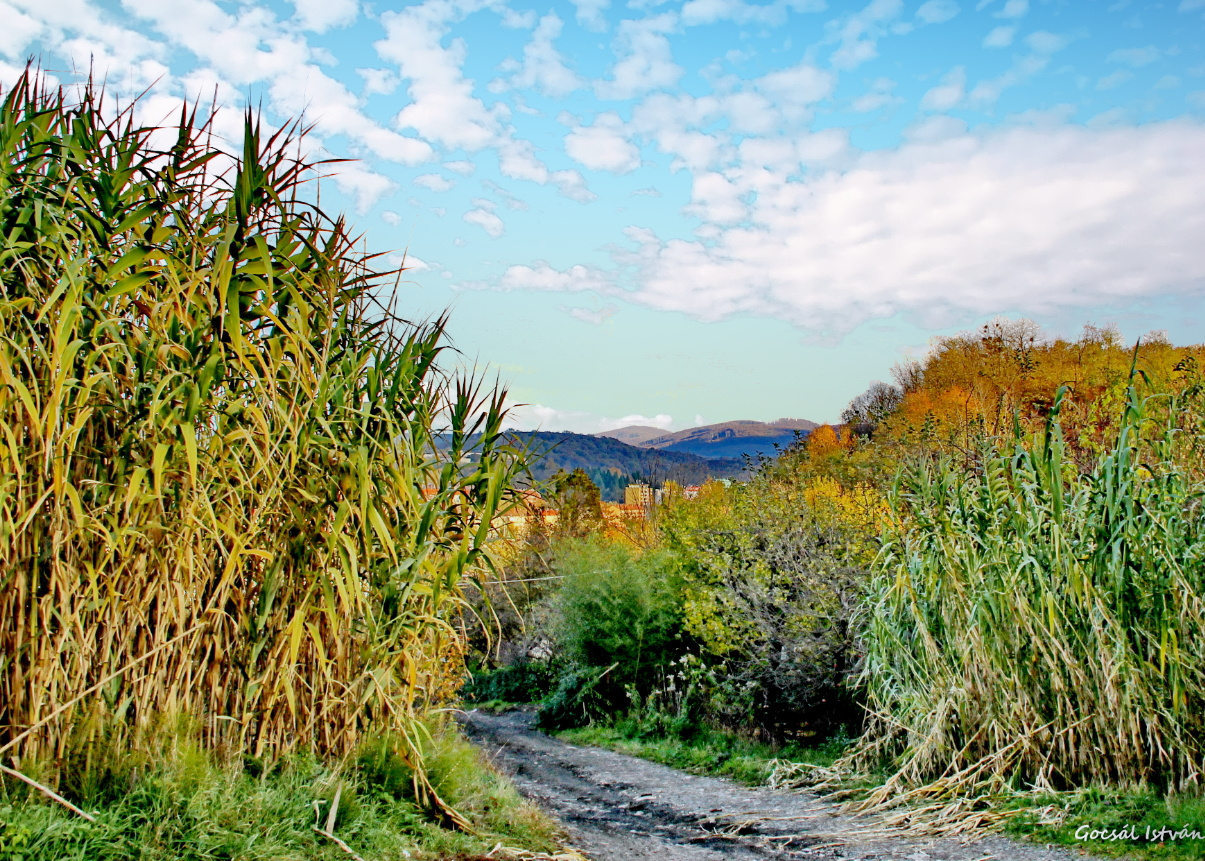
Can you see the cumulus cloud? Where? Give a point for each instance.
(646, 62)
(1136, 57)
(443, 108)
(948, 93)
(858, 34)
(1033, 220)
(18, 32)
(937, 11)
(999, 37)
(485, 218)
(1042, 46)
(434, 182)
(525, 417)
(697, 12)
(879, 95)
(544, 277)
(603, 146)
(1114, 80)
(543, 67)
(322, 15)
(1014, 9)
(590, 14)
(378, 81)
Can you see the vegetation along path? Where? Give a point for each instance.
(617, 807)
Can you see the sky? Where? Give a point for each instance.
(674, 214)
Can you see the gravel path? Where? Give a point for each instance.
(617, 807)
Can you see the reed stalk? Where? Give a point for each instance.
(211, 425)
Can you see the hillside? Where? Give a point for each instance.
(634, 434)
(612, 464)
(735, 439)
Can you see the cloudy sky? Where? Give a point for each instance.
(674, 213)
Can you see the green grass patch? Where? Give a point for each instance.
(188, 807)
(1140, 824)
(702, 749)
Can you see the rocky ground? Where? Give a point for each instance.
(617, 808)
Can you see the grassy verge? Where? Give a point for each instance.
(702, 750)
(187, 807)
(1138, 824)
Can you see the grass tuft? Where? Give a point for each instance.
(188, 806)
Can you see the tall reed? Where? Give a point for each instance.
(224, 493)
(1033, 625)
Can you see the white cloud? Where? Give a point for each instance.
(701, 12)
(1034, 220)
(391, 218)
(937, 11)
(544, 277)
(18, 31)
(464, 168)
(1044, 42)
(797, 88)
(442, 106)
(590, 14)
(321, 15)
(859, 33)
(593, 316)
(543, 66)
(1014, 9)
(485, 218)
(1190, 5)
(526, 417)
(603, 146)
(434, 182)
(879, 95)
(378, 81)
(1000, 37)
(948, 93)
(365, 186)
(1136, 57)
(1115, 80)
(646, 63)
(1041, 46)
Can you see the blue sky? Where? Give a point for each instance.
(682, 213)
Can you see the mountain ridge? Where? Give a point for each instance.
(724, 440)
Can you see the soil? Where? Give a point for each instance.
(616, 807)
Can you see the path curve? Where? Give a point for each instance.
(617, 807)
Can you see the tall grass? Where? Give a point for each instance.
(221, 494)
(1031, 624)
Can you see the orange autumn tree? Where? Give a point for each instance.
(988, 382)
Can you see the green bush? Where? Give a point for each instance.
(525, 681)
(620, 625)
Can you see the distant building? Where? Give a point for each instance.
(639, 494)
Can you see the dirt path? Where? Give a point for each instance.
(617, 808)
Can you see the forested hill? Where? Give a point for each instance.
(612, 464)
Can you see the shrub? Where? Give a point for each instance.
(773, 575)
(619, 622)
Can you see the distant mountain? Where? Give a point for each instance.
(612, 464)
(634, 434)
(727, 440)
